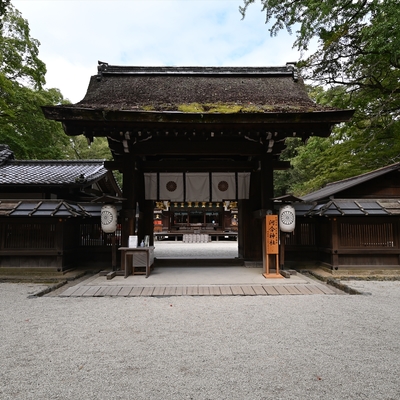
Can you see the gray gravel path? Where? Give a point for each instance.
(286, 347)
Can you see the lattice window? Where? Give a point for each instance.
(93, 235)
(379, 234)
(303, 235)
(307, 234)
(30, 236)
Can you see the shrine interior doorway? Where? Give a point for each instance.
(196, 230)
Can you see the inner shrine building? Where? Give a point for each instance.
(197, 137)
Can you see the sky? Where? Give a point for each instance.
(75, 34)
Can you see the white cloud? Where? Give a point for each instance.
(71, 78)
(74, 35)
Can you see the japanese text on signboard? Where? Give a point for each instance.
(272, 234)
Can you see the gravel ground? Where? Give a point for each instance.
(266, 347)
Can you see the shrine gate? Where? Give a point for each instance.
(197, 134)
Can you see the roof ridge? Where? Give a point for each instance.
(88, 161)
(93, 174)
(105, 68)
(391, 166)
(6, 154)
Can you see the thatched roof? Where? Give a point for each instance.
(179, 111)
(198, 89)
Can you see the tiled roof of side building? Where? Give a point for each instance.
(349, 207)
(5, 154)
(50, 172)
(49, 208)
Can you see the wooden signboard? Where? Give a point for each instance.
(271, 235)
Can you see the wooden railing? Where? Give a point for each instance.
(91, 234)
(29, 236)
(355, 235)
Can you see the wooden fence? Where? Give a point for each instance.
(346, 242)
(55, 243)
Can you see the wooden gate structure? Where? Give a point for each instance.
(196, 120)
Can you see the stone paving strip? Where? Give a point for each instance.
(197, 290)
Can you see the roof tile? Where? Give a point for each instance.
(15, 172)
(48, 208)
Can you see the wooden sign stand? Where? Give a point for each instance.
(271, 245)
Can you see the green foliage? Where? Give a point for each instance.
(360, 146)
(24, 128)
(99, 149)
(22, 75)
(3, 6)
(358, 59)
(19, 61)
(283, 179)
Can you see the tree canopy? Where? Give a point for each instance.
(357, 61)
(19, 58)
(3, 6)
(358, 42)
(22, 76)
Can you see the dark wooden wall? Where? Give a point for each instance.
(58, 244)
(346, 242)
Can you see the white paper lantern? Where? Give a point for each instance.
(108, 218)
(287, 218)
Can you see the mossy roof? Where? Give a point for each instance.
(198, 90)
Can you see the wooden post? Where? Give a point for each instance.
(60, 228)
(335, 244)
(129, 204)
(282, 249)
(250, 234)
(267, 182)
(148, 220)
(271, 245)
(114, 252)
(271, 250)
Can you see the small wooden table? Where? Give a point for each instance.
(141, 257)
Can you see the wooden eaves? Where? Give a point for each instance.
(240, 115)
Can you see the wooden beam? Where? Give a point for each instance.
(267, 179)
(85, 114)
(281, 165)
(211, 166)
(259, 214)
(197, 148)
(91, 123)
(302, 129)
(199, 166)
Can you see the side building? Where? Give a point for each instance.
(50, 213)
(350, 224)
